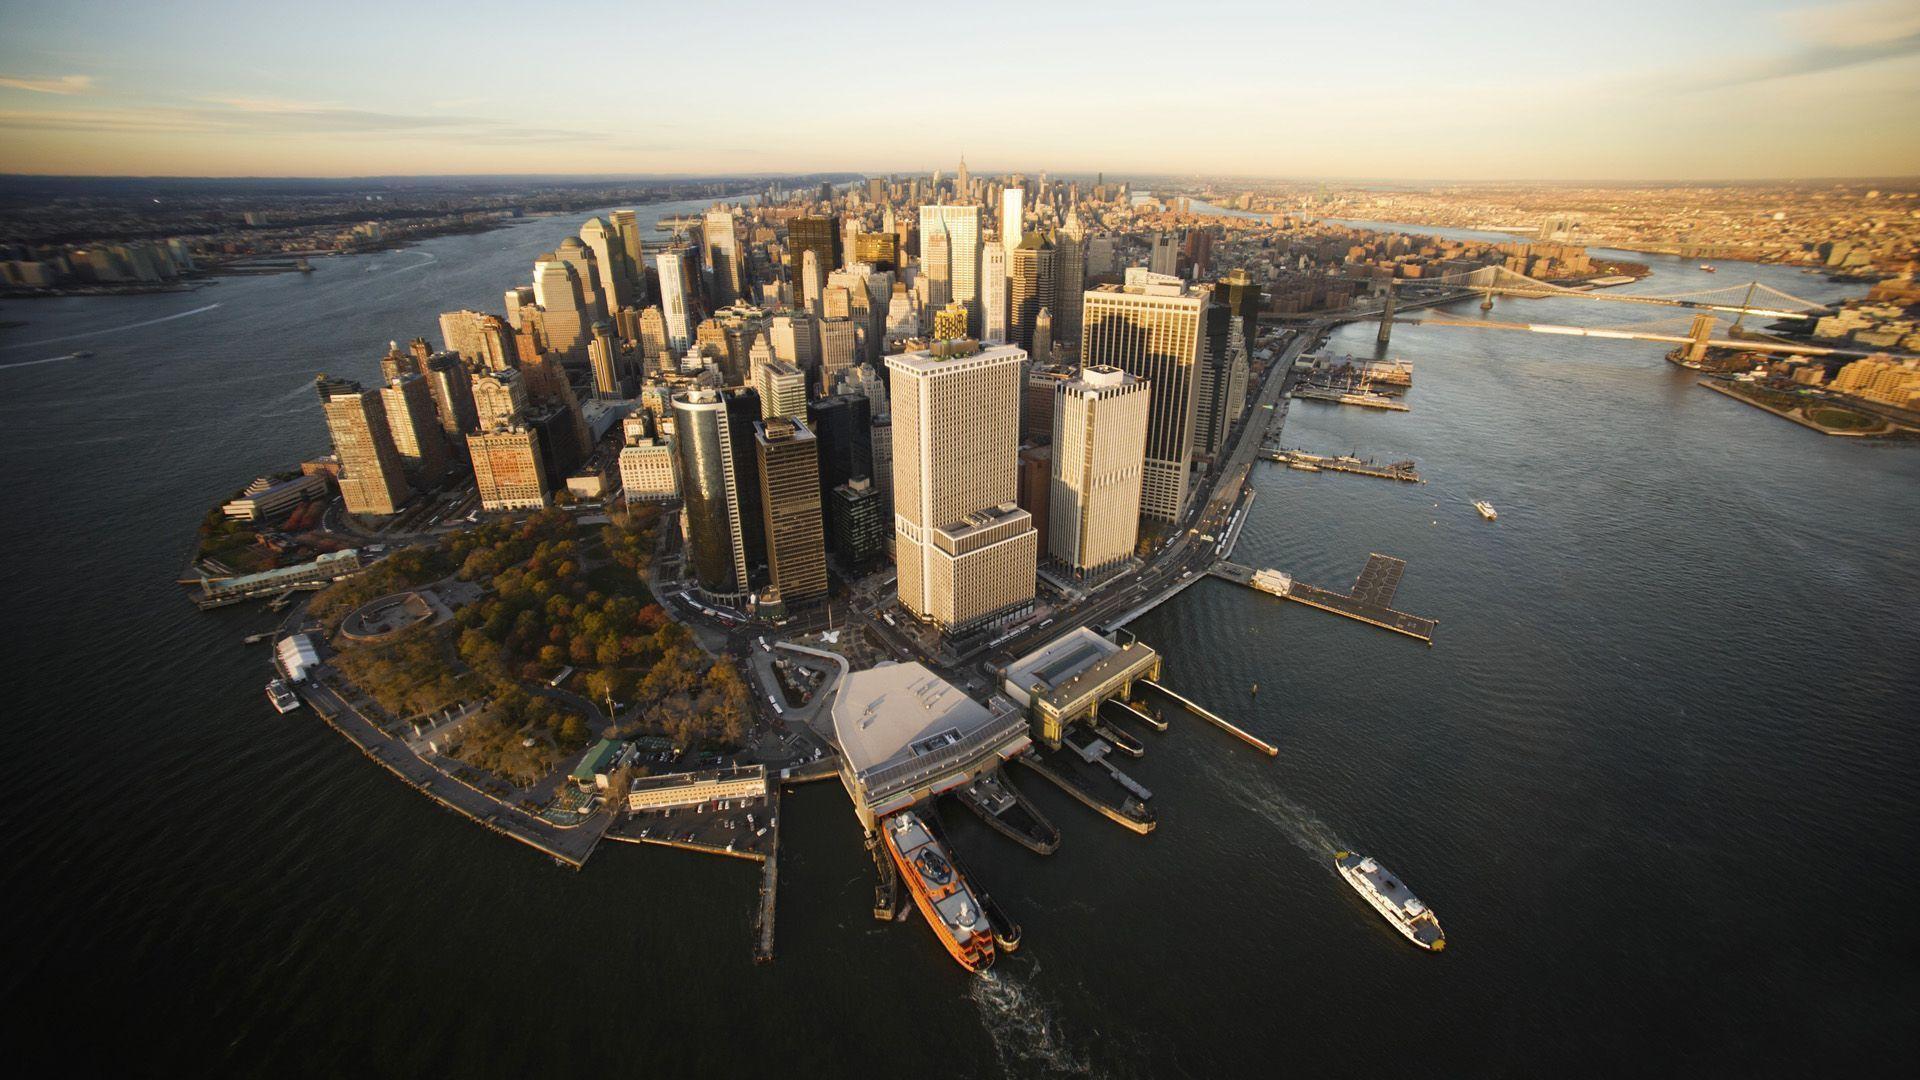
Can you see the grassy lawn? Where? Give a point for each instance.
(1841, 419)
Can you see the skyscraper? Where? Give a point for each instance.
(936, 268)
(783, 390)
(610, 381)
(1099, 446)
(722, 238)
(676, 297)
(961, 224)
(1011, 221)
(565, 316)
(1034, 282)
(1166, 254)
(1152, 328)
(856, 528)
(716, 472)
(993, 295)
(483, 338)
(372, 477)
(609, 257)
(820, 235)
(965, 550)
(790, 508)
(586, 268)
(499, 398)
(452, 391)
(509, 469)
(415, 424)
(1070, 256)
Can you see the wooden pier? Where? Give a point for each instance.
(1399, 470)
(1371, 600)
(769, 884)
(1243, 735)
(1350, 397)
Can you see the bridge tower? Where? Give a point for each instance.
(1702, 331)
(1386, 315)
(1487, 304)
(1744, 305)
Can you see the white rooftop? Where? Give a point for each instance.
(884, 715)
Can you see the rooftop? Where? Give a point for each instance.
(894, 713)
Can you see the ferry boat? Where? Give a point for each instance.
(1392, 899)
(944, 897)
(1485, 508)
(282, 696)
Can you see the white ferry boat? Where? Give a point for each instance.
(1392, 899)
(282, 696)
(1485, 508)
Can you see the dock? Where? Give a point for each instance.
(1141, 822)
(1348, 397)
(1008, 811)
(1153, 722)
(1196, 709)
(769, 883)
(1370, 602)
(1403, 471)
(886, 886)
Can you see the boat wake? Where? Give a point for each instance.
(108, 330)
(1025, 1032)
(35, 363)
(1300, 825)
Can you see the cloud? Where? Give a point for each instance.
(1836, 36)
(270, 117)
(1853, 23)
(64, 84)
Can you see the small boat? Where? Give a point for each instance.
(1392, 899)
(282, 696)
(1485, 508)
(1709, 269)
(82, 354)
(1303, 466)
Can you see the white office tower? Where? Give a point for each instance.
(839, 349)
(783, 391)
(961, 224)
(564, 313)
(903, 319)
(796, 340)
(965, 549)
(585, 267)
(993, 294)
(1151, 327)
(936, 270)
(674, 298)
(720, 233)
(1099, 446)
(1011, 210)
(812, 280)
(849, 242)
(609, 256)
(758, 356)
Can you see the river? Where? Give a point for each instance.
(1656, 774)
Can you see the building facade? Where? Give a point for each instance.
(1099, 447)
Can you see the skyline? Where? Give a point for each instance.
(1721, 91)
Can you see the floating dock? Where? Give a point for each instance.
(1009, 812)
(1371, 600)
(1400, 470)
(1348, 397)
(1131, 813)
(1243, 735)
(1141, 715)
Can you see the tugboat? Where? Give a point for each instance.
(282, 696)
(1485, 508)
(1392, 899)
(943, 896)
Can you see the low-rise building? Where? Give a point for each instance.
(906, 735)
(694, 788)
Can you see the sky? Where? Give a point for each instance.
(1543, 90)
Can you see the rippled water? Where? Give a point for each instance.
(1657, 774)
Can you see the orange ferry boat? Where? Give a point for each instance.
(944, 897)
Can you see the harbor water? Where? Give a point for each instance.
(1656, 775)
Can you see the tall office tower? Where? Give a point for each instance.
(1070, 257)
(880, 250)
(950, 322)
(839, 350)
(796, 339)
(499, 398)
(1035, 278)
(965, 549)
(807, 295)
(856, 528)
(608, 261)
(509, 469)
(758, 357)
(565, 316)
(1036, 401)
(722, 237)
(962, 227)
(610, 380)
(548, 389)
(1042, 351)
(902, 319)
(1242, 295)
(1198, 248)
(790, 508)
(936, 266)
(372, 477)
(1035, 487)
(419, 352)
(864, 380)
(1099, 445)
(850, 231)
(783, 390)
(653, 335)
(881, 437)
(876, 189)
(415, 425)
(1166, 254)
(1153, 329)
(1237, 376)
(1210, 379)
(1011, 221)
(483, 338)
(518, 298)
(962, 184)
(676, 301)
(842, 426)
(452, 391)
(993, 295)
(586, 269)
(743, 324)
(714, 480)
(395, 363)
(1103, 259)
(820, 235)
(633, 257)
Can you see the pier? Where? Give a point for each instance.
(1153, 722)
(1242, 734)
(1141, 821)
(1299, 459)
(769, 883)
(1371, 600)
(1350, 397)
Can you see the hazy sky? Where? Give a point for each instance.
(1620, 89)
